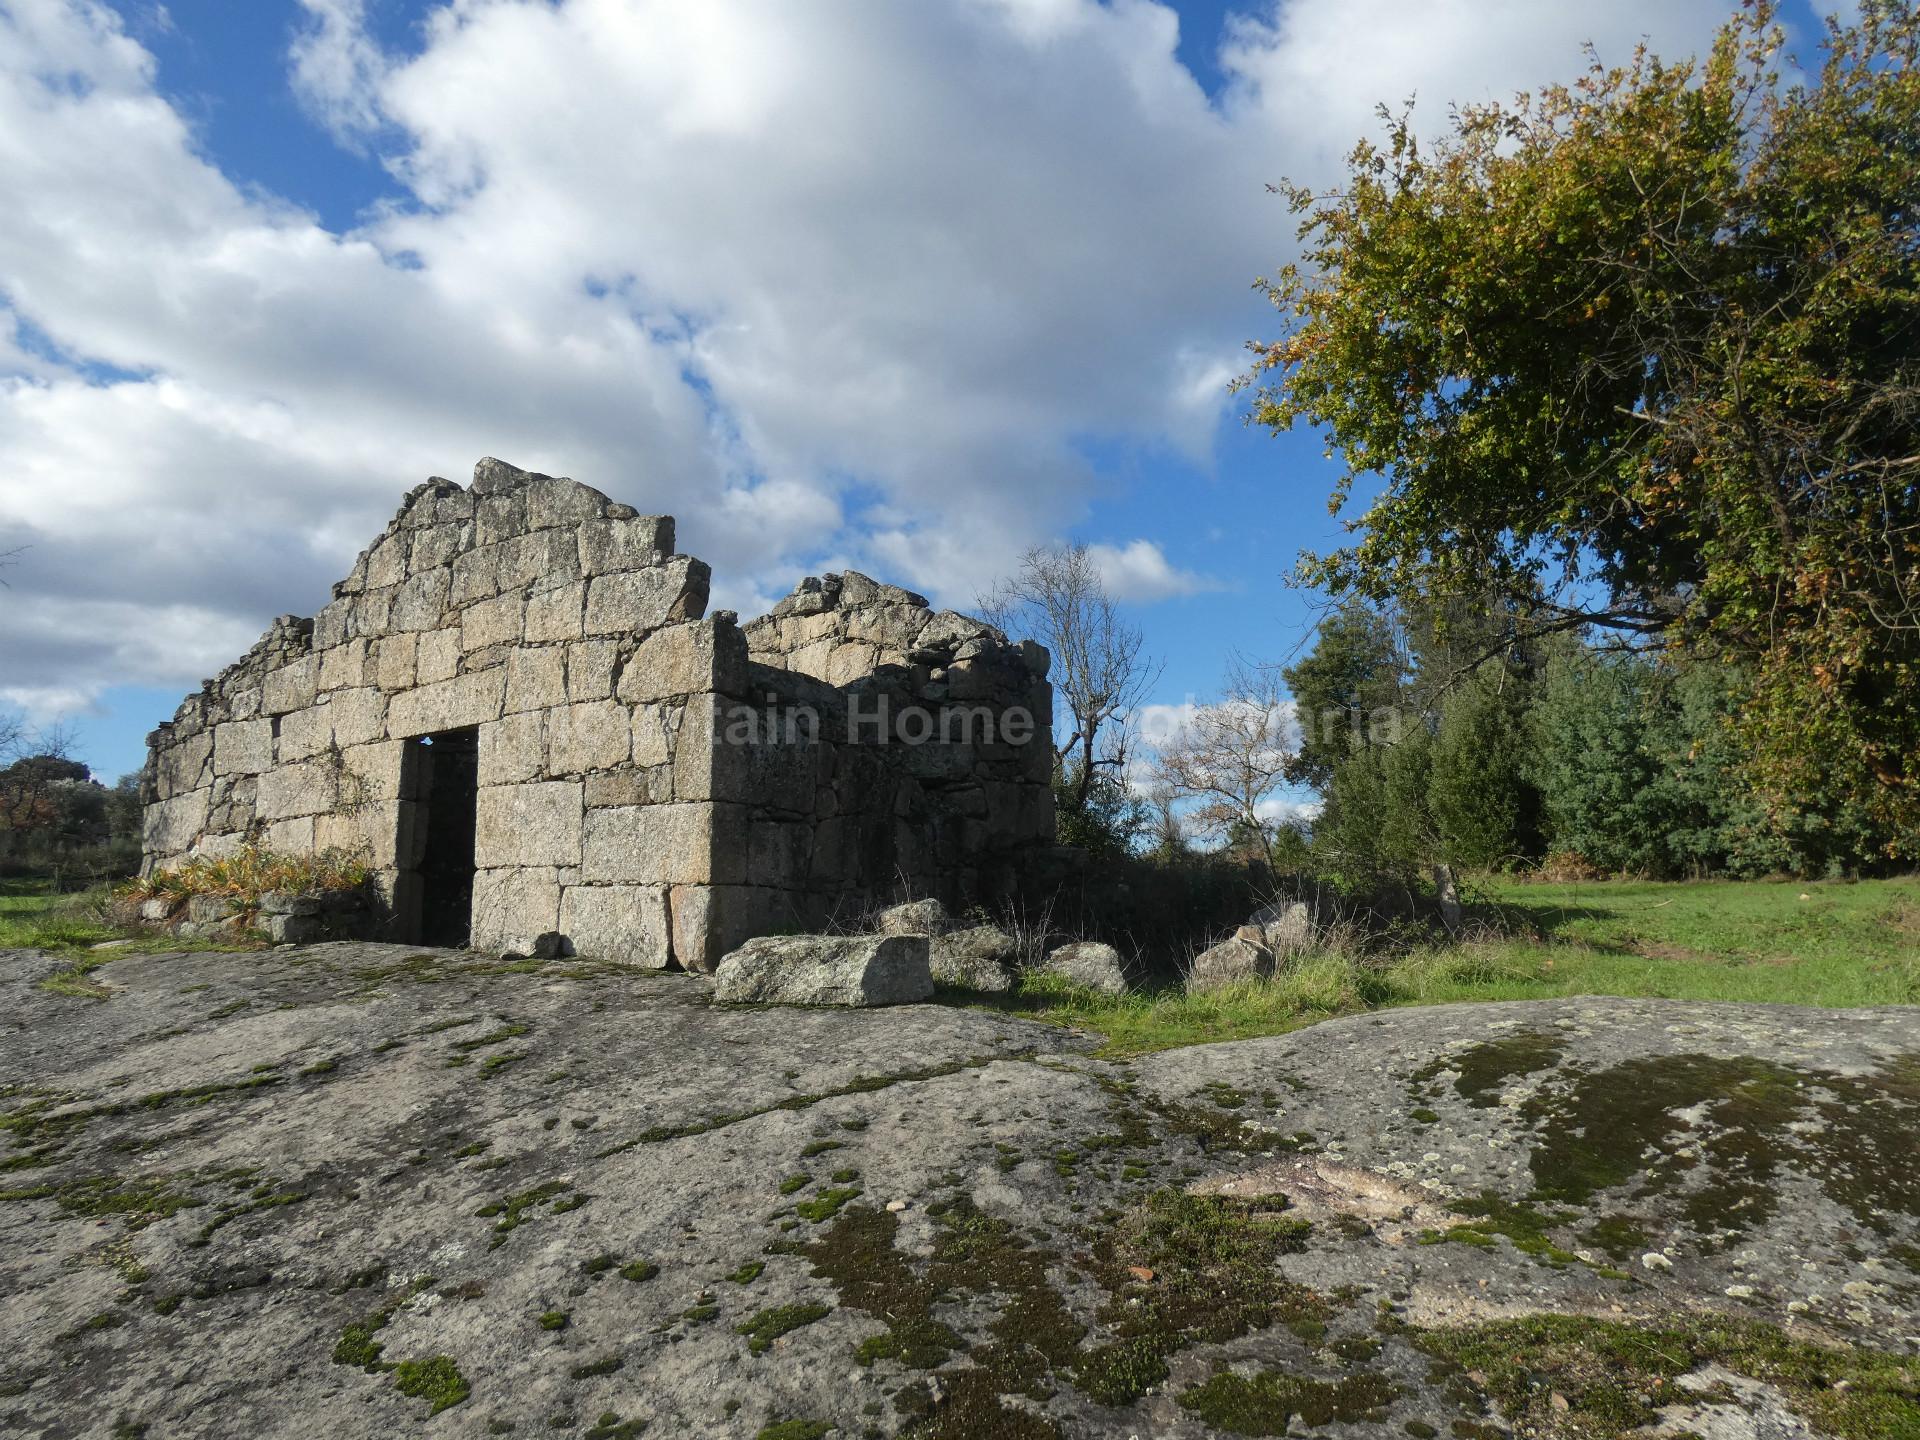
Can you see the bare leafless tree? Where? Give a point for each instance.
(1100, 666)
(21, 739)
(1167, 828)
(1230, 758)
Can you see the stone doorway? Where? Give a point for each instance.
(440, 779)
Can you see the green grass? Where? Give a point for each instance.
(767, 1326)
(1841, 945)
(436, 1380)
(32, 917)
(253, 871)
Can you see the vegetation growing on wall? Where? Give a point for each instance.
(252, 871)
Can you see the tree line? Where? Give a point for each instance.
(56, 821)
(1568, 750)
(1631, 368)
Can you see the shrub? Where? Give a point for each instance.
(1155, 913)
(251, 872)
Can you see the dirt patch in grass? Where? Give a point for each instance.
(1903, 917)
(1657, 950)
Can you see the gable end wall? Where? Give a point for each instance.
(611, 806)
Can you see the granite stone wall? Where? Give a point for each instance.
(930, 771)
(623, 799)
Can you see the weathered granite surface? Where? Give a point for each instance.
(572, 1198)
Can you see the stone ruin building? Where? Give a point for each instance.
(518, 712)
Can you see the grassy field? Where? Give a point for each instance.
(32, 917)
(1831, 944)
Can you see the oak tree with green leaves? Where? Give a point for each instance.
(1643, 353)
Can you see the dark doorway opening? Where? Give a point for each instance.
(439, 789)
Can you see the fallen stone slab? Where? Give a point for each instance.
(1286, 926)
(826, 970)
(978, 958)
(1090, 963)
(1233, 961)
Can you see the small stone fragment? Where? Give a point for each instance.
(1235, 961)
(826, 970)
(915, 917)
(1092, 964)
(974, 959)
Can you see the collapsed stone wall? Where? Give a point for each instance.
(615, 802)
(930, 770)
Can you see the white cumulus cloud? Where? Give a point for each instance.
(336, 68)
(850, 280)
(1140, 571)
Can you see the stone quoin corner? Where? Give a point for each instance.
(517, 709)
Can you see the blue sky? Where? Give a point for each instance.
(905, 288)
